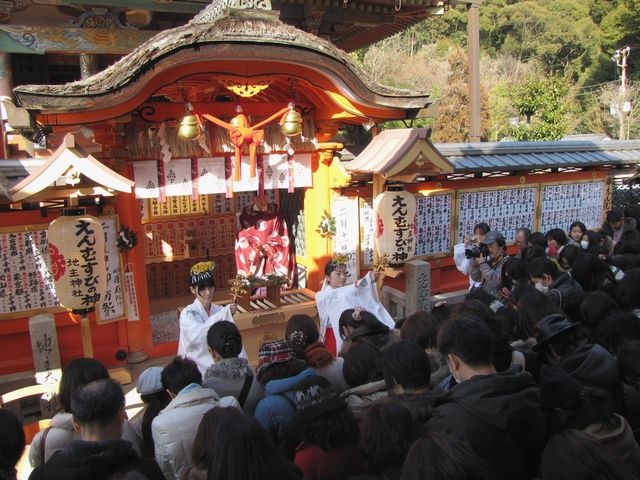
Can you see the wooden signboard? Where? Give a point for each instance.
(26, 283)
(434, 230)
(565, 203)
(504, 209)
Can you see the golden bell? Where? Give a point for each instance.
(189, 127)
(292, 124)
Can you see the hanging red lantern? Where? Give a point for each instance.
(76, 251)
(395, 221)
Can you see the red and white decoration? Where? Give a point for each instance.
(395, 225)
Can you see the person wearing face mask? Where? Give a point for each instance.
(336, 296)
(496, 413)
(487, 271)
(561, 288)
(195, 319)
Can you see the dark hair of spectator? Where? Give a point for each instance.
(628, 291)
(387, 431)
(12, 442)
(306, 325)
(243, 450)
(616, 327)
(367, 325)
(179, 373)
(478, 307)
(330, 431)
(421, 327)
(629, 361)
(481, 227)
(224, 338)
(615, 215)
(593, 273)
(77, 373)
(558, 235)
(208, 282)
(572, 454)
(514, 270)
(541, 266)
(204, 441)
(595, 242)
(469, 338)
(437, 456)
(155, 403)
(278, 371)
(538, 239)
(567, 256)
(595, 306)
(405, 364)
(531, 252)
(580, 225)
(98, 402)
(532, 307)
(362, 364)
(442, 311)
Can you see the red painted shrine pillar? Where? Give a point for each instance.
(138, 332)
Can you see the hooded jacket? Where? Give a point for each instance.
(363, 396)
(499, 416)
(175, 427)
(594, 366)
(566, 292)
(81, 460)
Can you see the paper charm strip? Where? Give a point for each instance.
(145, 174)
(177, 175)
(211, 177)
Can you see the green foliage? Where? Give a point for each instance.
(545, 105)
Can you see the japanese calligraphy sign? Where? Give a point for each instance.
(26, 276)
(76, 252)
(433, 224)
(395, 225)
(111, 305)
(563, 204)
(345, 211)
(504, 210)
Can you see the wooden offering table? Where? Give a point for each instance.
(266, 321)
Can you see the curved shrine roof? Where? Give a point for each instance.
(217, 33)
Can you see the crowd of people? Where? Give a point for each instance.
(535, 375)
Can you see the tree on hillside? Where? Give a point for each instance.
(453, 122)
(621, 112)
(545, 106)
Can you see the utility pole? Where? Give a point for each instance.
(623, 106)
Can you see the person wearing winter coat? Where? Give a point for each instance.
(175, 427)
(561, 288)
(303, 336)
(560, 344)
(60, 431)
(497, 414)
(279, 371)
(622, 230)
(100, 453)
(231, 375)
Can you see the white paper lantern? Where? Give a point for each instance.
(395, 225)
(78, 267)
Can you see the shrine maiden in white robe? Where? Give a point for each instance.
(331, 302)
(194, 325)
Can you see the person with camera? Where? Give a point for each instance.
(486, 268)
(463, 253)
